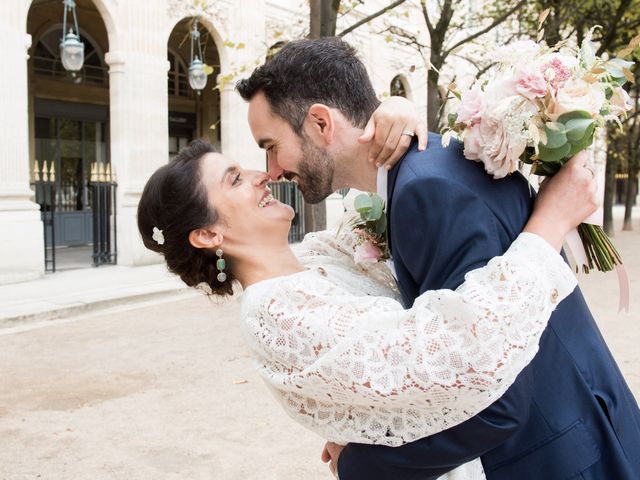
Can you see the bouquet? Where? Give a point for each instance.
(542, 108)
(370, 228)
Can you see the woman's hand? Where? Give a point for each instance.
(387, 131)
(330, 454)
(564, 201)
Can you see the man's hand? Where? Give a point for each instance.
(389, 129)
(564, 201)
(330, 454)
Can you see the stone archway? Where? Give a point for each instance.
(69, 133)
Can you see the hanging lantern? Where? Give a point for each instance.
(197, 71)
(71, 47)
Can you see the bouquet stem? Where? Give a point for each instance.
(601, 254)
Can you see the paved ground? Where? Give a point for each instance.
(166, 391)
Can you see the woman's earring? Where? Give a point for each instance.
(220, 264)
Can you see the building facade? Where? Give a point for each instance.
(130, 108)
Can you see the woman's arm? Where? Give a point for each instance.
(362, 369)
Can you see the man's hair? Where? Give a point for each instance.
(305, 72)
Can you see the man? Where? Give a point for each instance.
(570, 413)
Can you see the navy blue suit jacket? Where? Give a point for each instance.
(570, 413)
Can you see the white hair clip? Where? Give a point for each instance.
(158, 236)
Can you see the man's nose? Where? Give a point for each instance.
(260, 179)
(275, 171)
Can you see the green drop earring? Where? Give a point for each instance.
(220, 265)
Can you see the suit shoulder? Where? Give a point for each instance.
(436, 160)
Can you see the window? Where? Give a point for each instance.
(397, 87)
(178, 76)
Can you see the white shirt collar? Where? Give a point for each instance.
(381, 183)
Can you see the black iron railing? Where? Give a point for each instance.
(103, 205)
(288, 192)
(44, 186)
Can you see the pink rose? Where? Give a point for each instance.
(470, 106)
(367, 252)
(577, 95)
(530, 83)
(501, 136)
(621, 102)
(472, 143)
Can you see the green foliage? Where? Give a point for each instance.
(371, 210)
(571, 133)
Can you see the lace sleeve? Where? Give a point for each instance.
(362, 369)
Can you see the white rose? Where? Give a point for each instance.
(577, 94)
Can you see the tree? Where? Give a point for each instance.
(632, 137)
(449, 33)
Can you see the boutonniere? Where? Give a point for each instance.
(370, 228)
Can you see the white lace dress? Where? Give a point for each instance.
(345, 359)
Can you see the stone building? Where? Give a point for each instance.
(66, 140)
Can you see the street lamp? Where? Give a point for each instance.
(71, 48)
(197, 73)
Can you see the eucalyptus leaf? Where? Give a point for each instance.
(363, 203)
(579, 128)
(376, 208)
(381, 225)
(553, 154)
(565, 117)
(556, 136)
(578, 147)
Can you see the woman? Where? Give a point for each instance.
(330, 338)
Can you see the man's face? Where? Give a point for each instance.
(288, 155)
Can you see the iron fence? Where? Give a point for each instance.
(288, 192)
(44, 187)
(103, 205)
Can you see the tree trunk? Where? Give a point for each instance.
(322, 23)
(433, 98)
(323, 17)
(609, 190)
(632, 192)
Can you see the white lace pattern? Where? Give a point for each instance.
(345, 359)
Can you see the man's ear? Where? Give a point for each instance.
(205, 237)
(320, 123)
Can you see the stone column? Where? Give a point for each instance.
(237, 141)
(138, 119)
(21, 230)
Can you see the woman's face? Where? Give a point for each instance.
(242, 199)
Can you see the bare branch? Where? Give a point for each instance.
(427, 20)
(612, 29)
(488, 28)
(370, 17)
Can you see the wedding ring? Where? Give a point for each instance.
(591, 169)
(408, 133)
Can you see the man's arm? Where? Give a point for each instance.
(441, 231)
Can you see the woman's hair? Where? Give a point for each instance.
(175, 201)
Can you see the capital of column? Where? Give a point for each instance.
(116, 61)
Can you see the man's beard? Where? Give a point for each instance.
(315, 177)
